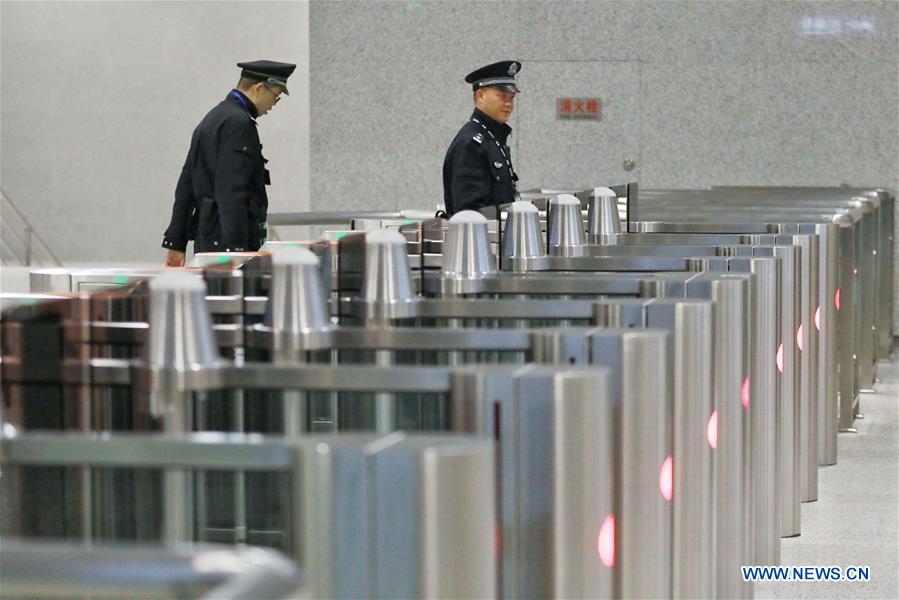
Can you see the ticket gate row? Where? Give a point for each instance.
(365, 516)
(870, 216)
(801, 325)
(580, 287)
(711, 431)
(863, 221)
(554, 516)
(783, 356)
(584, 286)
(849, 405)
(692, 477)
(684, 569)
(449, 309)
(877, 235)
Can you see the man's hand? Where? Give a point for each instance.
(174, 259)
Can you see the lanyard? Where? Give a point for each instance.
(501, 151)
(243, 102)
(516, 195)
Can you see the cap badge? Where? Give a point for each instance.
(513, 68)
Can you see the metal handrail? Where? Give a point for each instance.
(12, 251)
(199, 450)
(31, 238)
(338, 218)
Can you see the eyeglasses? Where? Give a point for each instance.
(274, 93)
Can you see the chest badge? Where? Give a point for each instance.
(478, 138)
(498, 165)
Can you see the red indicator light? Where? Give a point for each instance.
(711, 430)
(818, 318)
(666, 478)
(836, 299)
(605, 544)
(780, 358)
(799, 337)
(744, 393)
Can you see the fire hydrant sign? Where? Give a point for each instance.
(578, 108)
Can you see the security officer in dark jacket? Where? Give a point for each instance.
(220, 199)
(477, 170)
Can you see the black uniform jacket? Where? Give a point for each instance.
(220, 198)
(475, 172)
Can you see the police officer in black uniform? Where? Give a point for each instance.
(477, 170)
(220, 199)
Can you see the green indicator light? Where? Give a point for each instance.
(409, 223)
(339, 235)
(121, 279)
(222, 260)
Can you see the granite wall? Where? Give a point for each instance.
(695, 93)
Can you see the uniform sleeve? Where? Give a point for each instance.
(470, 183)
(233, 171)
(175, 236)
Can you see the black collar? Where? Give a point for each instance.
(500, 130)
(238, 97)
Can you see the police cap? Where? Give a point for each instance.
(501, 74)
(267, 71)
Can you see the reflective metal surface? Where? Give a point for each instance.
(467, 251)
(521, 237)
(297, 300)
(55, 570)
(387, 284)
(602, 216)
(555, 468)
(644, 417)
(648, 409)
(392, 508)
(697, 436)
(565, 233)
(866, 224)
(788, 371)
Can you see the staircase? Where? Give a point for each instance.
(19, 242)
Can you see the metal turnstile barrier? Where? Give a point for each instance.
(740, 427)
(394, 526)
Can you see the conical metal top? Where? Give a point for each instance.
(180, 336)
(868, 203)
(387, 277)
(843, 219)
(602, 216)
(879, 193)
(466, 252)
(297, 302)
(565, 226)
(521, 237)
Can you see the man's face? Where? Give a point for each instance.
(265, 97)
(496, 103)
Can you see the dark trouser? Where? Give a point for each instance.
(215, 244)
